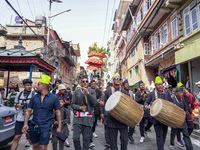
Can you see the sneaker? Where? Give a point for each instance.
(171, 147)
(131, 140)
(95, 135)
(142, 139)
(180, 143)
(27, 144)
(91, 145)
(67, 143)
(107, 145)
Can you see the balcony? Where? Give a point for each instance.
(69, 60)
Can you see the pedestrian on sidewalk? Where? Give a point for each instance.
(131, 129)
(22, 99)
(64, 129)
(160, 129)
(141, 97)
(198, 103)
(113, 125)
(180, 102)
(96, 112)
(42, 104)
(83, 103)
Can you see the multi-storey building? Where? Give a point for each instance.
(146, 38)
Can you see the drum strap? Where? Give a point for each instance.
(156, 95)
(112, 90)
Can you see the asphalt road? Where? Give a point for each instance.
(149, 144)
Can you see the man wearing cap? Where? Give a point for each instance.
(113, 125)
(131, 129)
(22, 99)
(83, 103)
(198, 102)
(140, 97)
(180, 102)
(42, 104)
(160, 129)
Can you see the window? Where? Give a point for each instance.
(157, 41)
(163, 35)
(136, 70)
(174, 28)
(194, 19)
(133, 52)
(147, 5)
(152, 41)
(130, 73)
(191, 18)
(139, 16)
(147, 49)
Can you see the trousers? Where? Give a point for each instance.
(86, 132)
(161, 133)
(144, 128)
(113, 132)
(186, 137)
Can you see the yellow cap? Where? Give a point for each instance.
(78, 86)
(158, 80)
(45, 79)
(180, 84)
(116, 75)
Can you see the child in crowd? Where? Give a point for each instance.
(64, 121)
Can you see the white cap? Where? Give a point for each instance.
(197, 83)
(61, 87)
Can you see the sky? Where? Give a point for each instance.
(84, 24)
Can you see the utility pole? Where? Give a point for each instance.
(48, 33)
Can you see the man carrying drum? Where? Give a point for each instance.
(113, 125)
(180, 101)
(131, 129)
(160, 129)
(140, 97)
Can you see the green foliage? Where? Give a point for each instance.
(94, 48)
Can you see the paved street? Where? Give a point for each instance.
(149, 144)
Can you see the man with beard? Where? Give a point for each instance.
(113, 125)
(83, 103)
(140, 97)
(160, 129)
(42, 105)
(131, 129)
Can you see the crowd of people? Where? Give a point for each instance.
(43, 113)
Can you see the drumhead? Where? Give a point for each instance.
(156, 107)
(113, 101)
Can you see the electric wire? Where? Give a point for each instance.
(19, 8)
(26, 23)
(33, 7)
(105, 22)
(111, 18)
(30, 9)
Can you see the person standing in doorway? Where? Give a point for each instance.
(42, 104)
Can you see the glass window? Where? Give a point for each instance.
(130, 73)
(146, 49)
(187, 21)
(136, 69)
(194, 19)
(174, 28)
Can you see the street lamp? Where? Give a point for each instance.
(49, 17)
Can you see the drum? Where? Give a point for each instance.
(124, 109)
(167, 113)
